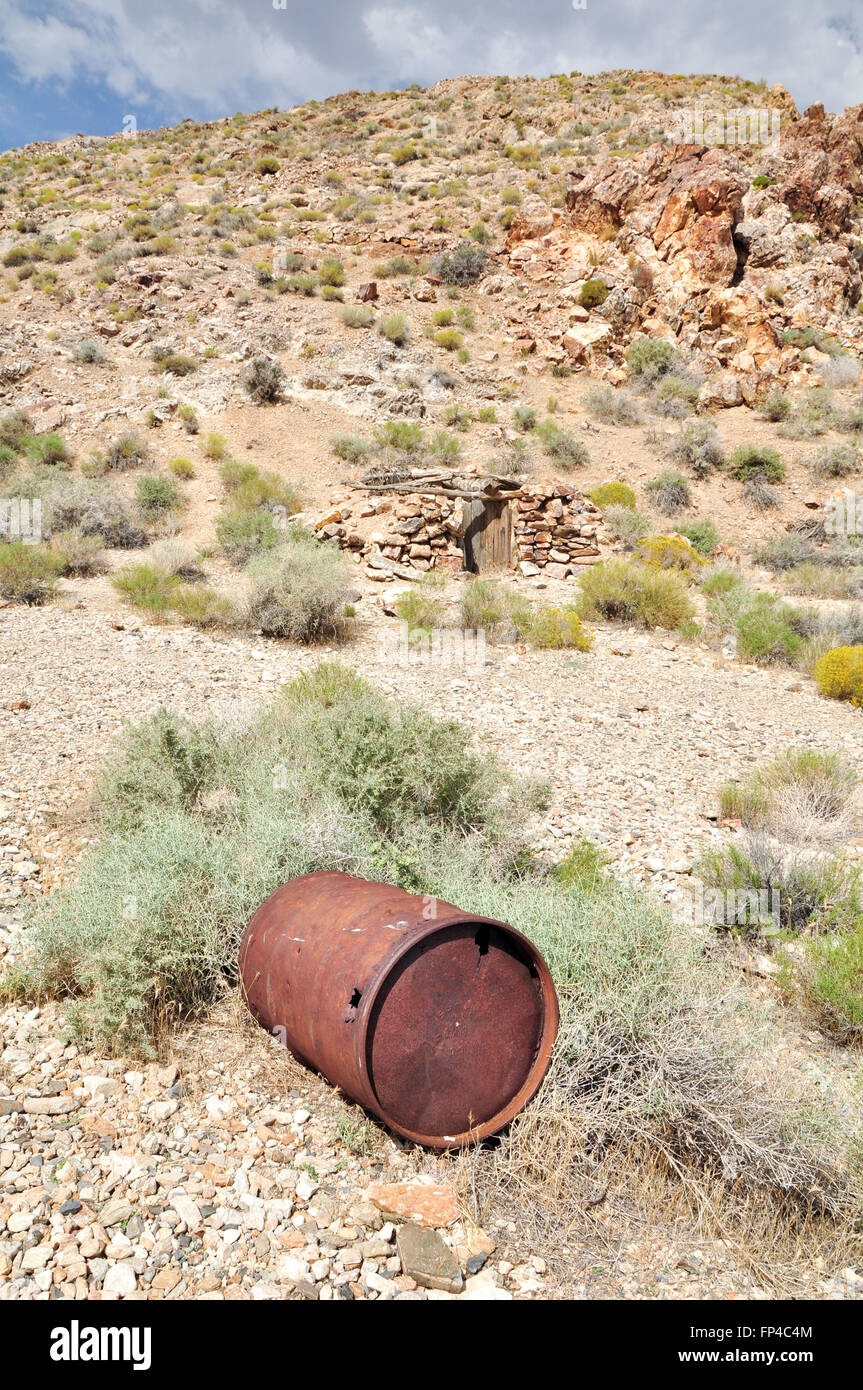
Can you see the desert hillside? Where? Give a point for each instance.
(532, 410)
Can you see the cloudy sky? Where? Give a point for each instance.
(84, 65)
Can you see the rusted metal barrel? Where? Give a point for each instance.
(439, 1022)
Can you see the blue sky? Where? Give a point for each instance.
(85, 65)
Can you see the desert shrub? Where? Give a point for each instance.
(8, 460)
(760, 461)
(567, 451)
(702, 535)
(487, 603)
(543, 625)
(331, 272)
(768, 630)
(627, 524)
(449, 338)
(15, 427)
(824, 581)
(128, 451)
(267, 165)
(358, 315)
(78, 554)
(299, 591)
(810, 417)
(624, 591)
(176, 363)
(612, 495)
(668, 553)
(264, 380)
(812, 894)
(89, 352)
(176, 557)
(524, 418)
(463, 266)
(244, 531)
(649, 358)
(95, 510)
(188, 419)
(669, 493)
(27, 572)
(202, 606)
(777, 405)
(835, 461)
(214, 446)
(718, 580)
(783, 552)
(839, 674)
(181, 468)
(761, 495)
(593, 293)
(248, 487)
(394, 328)
(698, 447)
(790, 792)
(582, 867)
(674, 396)
(614, 406)
(147, 586)
(49, 449)
(350, 447)
(404, 435)
(420, 609)
(157, 494)
(833, 979)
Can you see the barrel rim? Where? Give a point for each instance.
(548, 1036)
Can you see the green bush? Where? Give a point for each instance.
(463, 266)
(350, 447)
(358, 316)
(157, 494)
(129, 451)
(331, 272)
(449, 338)
(627, 592)
(768, 630)
(244, 531)
(668, 553)
(777, 406)
(593, 293)
(649, 357)
(264, 380)
(421, 610)
(299, 591)
(543, 625)
(702, 535)
(567, 451)
(756, 461)
(394, 328)
(669, 493)
(627, 524)
(839, 674)
(14, 428)
(612, 495)
(821, 779)
(27, 572)
(49, 449)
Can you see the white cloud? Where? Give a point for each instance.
(210, 56)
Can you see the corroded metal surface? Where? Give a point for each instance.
(439, 1022)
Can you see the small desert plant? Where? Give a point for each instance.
(420, 609)
(358, 316)
(89, 352)
(761, 461)
(215, 446)
(649, 358)
(777, 405)
(669, 493)
(157, 494)
(394, 328)
(78, 554)
(835, 461)
(612, 495)
(839, 674)
(614, 406)
(350, 447)
(624, 591)
(543, 625)
(299, 591)
(27, 572)
(698, 447)
(627, 524)
(264, 380)
(244, 531)
(593, 293)
(331, 272)
(567, 451)
(463, 266)
(669, 553)
(524, 418)
(129, 451)
(48, 449)
(702, 535)
(181, 468)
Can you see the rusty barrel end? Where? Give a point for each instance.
(443, 1028)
